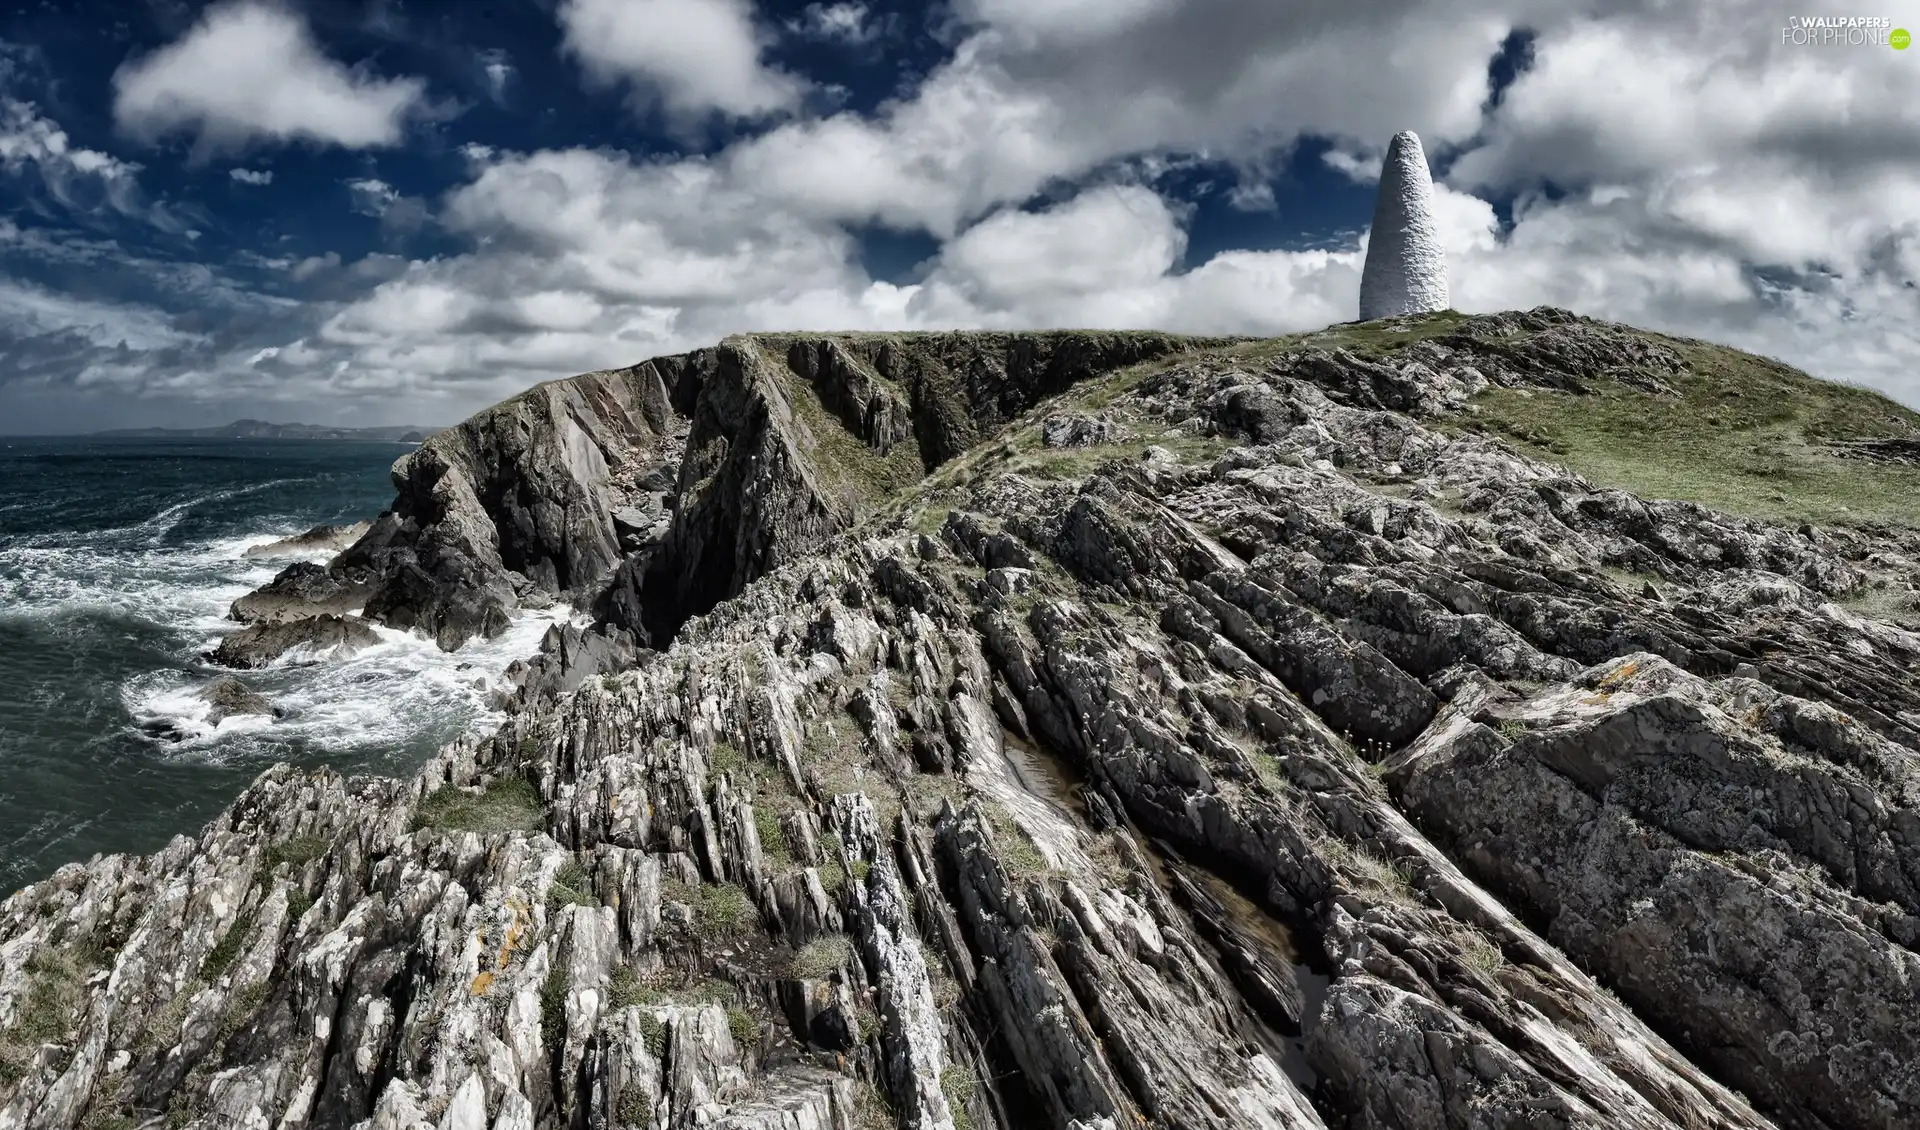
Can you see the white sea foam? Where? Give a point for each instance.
(174, 705)
(385, 696)
(370, 706)
(164, 585)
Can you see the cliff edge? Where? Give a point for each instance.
(1017, 731)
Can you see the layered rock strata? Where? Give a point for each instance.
(1252, 749)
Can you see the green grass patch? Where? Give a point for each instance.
(1016, 848)
(507, 805)
(633, 993)
(1744, 434)
(298, 852)
(724, 906)
(773, 838)
(1479, 952)
(162, 1029)
(1367, 339)
(833, 880)
(189, 1098)
(873, 1110)
(930, 520)
(719, 909)
(743, 1026)
(1102, 391)
(227, 950)
(959, 1084)
(571, 886)
(56, 991)
(818, 959)
(242, 1008)
(834, 738)
(553, 1006)
(1896, 606)
(1389, 880)
(626, 990)
(633, 1110)
(655, 1033)
(726, 758)
(1267, 767)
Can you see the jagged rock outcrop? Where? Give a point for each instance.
(514, 507)
(1279, 757)
(305, 589)
(770, 473)
(649, 494)
(231, 698)
(316, 637)
(1406, 267)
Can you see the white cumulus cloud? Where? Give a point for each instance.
(250, 71)
(694, 56)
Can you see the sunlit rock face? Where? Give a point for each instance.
(1406, 270)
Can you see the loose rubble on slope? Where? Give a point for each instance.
(984, 731)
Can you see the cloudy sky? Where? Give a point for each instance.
(374, 211)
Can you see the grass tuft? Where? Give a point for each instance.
(744, 1027)
(56, 991)
(507, 805)
(773, 838)
(224, 953)
(1017, 849)
(719, 909)
(726, 758)
(571, 886)
(553, 1006)
(820, 958)
(959, 1084)
(633, 1112)
(298, 852)
(1479, 952)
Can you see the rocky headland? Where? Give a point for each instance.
(1071, 730)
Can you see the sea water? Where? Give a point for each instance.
(118, 560)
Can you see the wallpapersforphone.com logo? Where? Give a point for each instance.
(1844, 31)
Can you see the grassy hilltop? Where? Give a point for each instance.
(1740, 433)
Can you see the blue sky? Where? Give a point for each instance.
(367, 211)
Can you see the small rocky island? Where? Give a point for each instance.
(1051, 730)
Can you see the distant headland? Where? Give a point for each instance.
(260, 429)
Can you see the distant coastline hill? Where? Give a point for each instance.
(260, 429)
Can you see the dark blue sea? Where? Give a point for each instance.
(118, 559)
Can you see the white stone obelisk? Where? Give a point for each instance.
(1406, 271)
